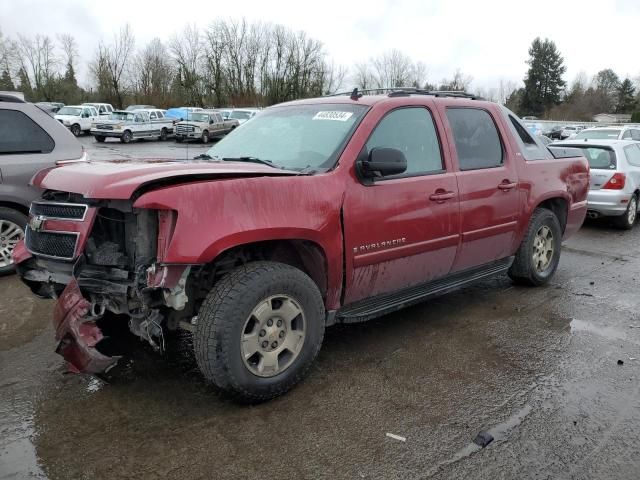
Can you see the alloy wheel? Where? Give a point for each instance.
(10, 235)
(273, 336)
(543, 248)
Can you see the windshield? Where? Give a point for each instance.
(121, 116)
(238, 115)
(70, 111)
(599, 134)
(293, 137)
(198, 117)
(600, 158)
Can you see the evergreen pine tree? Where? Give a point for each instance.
(544, 83)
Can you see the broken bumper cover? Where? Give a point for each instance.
(78, 334)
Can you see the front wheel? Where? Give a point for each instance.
(539, 254)
(163, 134)
(259, 330)
(205, 137)
(126, 137)
(99, 138)
(76, 130)
(179, 139)
(627, 220)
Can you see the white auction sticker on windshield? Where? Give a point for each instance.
(333, 115)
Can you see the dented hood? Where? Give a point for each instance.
(119, 179)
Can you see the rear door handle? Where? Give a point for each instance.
(505, 186)
(441, 196)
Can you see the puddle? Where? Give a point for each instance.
(499, 433)
(606, 332)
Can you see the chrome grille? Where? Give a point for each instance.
(66, 211)
(103, 126)
(185, 128)
(51, 244)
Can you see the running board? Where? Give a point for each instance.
(383, 304)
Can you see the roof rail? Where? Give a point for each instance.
(10, 99)
(405, 91)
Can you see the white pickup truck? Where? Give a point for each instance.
(77, 118)
(129, 125)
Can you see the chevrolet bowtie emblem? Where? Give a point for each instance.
(36, 223)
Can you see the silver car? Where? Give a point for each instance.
(30, 140)
(614, 187)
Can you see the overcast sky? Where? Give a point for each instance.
(486, 39)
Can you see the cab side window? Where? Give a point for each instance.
(476, 138)
(412, 131)
(626, 135)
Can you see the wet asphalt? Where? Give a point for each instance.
(537, 368)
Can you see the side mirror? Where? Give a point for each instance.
(382, 162)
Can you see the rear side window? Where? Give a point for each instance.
(635, 134)
(476, 137)
(632, 153)
(600, 158)
(531, 150)
(20, 134)
(412, 131)
(152, 115)
(626, 135)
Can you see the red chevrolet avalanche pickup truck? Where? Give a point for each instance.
(335, 209)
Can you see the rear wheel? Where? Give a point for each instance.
(539, 254)
(259, 330)
(99, 138)
(627, 220)
(76, 130)
(12, 225)
(126, 137)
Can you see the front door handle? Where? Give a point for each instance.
(441, 196)
(506, 185)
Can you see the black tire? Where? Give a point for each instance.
(17, 218)
(99, 138)
(205, 136)
(223, 317)
(126, 137)
(179, 139)
(523, 271)
(627, 220)
(163, 134)
(76, 130)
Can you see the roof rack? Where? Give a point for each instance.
(11, 99)
(405, 91)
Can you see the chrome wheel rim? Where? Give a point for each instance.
(632, 211)
(273, 336)
(10, 235)
(543, 248)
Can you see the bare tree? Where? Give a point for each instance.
(153, 74)
(38, 60)
(460, 82)
(112, 63)
(187, 52)
(392, 69)
(363, 76)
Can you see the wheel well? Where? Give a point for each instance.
(559, 207)
(302, 254)
(15, 206)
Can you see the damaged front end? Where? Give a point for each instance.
(102, 260)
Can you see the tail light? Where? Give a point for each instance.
(616, 182)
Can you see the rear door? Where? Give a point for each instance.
(402, 230)
(488, 184)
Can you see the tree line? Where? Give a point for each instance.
(232, 62)
(240, 63)
(546, 94)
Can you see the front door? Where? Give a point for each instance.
(402, 230)
(488, 183)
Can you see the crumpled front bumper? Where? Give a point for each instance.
(78, 334)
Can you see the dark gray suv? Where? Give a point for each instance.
(30, 140)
